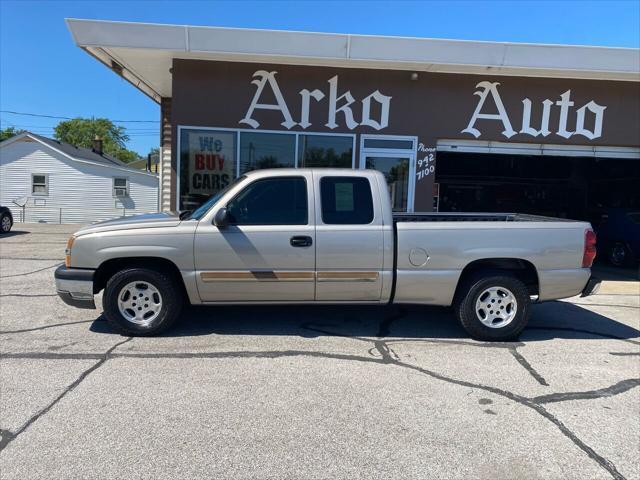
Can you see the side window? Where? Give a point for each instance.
(271, 201)
(120, 187)
(346, 201)
(39, 184)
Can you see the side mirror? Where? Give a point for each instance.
(221, 218)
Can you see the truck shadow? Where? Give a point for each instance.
(552, 320)
(605, 271)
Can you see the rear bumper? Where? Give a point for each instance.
(592, 287)
(75, 286)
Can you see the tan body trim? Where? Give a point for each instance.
(286, 276)
(257, 276)
(343, 276)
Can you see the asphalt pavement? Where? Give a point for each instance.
(307, 392)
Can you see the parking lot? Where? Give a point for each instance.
(311, 392)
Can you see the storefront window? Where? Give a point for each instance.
(325, 151)
(266, 150)
(207, 164)
(208, 157)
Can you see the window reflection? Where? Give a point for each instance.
(327, 151)
(396, 172)
(266, 150)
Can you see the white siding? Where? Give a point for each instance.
(78, 192)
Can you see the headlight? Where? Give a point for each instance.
(67, 251)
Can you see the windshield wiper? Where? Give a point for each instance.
(184, 215)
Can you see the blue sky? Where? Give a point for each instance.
(43, 72)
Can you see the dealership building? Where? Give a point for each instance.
(453, 125)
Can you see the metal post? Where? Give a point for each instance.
(60, 216)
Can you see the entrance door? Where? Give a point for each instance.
(395, 158)
(267, 252)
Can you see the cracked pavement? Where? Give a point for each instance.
(311, 392)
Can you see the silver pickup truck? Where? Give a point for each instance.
(325, 236)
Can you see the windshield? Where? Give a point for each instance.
(199, 212)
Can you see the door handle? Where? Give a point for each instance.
(301, 241)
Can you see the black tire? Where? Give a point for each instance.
(470, 291)
(171, 301)
(619, 255)
(3, 223)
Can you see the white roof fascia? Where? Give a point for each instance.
(106, 39)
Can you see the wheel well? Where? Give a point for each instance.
(110, 267)
(523, 270)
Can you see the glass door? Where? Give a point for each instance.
(395, 158)
(396, 171)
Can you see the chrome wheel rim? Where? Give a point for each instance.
(6, 224)
(140, 302)
(496, 307)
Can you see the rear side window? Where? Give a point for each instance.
(346, 201)
(272, 201)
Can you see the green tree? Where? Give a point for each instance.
(8, 133)
(82, 131)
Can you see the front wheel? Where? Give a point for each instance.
(495, 307)
(5, 223)
(141, 302)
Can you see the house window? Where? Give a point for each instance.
(120, 187)
(39, 184)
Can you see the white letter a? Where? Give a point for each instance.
(279, 105)
(501, 115)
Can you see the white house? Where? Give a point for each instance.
(45, 180)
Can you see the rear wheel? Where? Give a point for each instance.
(493, 307)
(619, 254)
(141, 302)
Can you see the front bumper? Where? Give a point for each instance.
(592, 287)
(75, 286)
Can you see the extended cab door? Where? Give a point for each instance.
(349, 238)
(267, 252)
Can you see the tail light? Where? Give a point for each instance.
(589, 248)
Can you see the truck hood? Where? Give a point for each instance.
(147, 220)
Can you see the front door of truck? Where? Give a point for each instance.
(350, 241)
(266, 253)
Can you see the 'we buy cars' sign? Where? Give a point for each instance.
(211, 162)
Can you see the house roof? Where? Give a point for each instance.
(143, 53)
(76, 153)
(80, 153)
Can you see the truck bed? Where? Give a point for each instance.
(473, 217)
